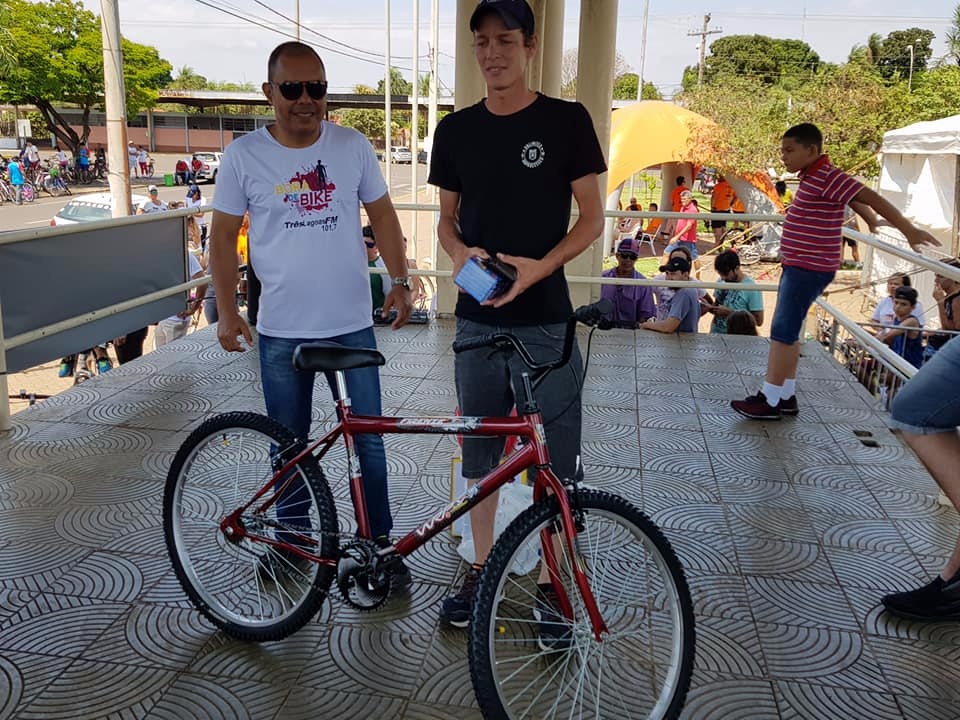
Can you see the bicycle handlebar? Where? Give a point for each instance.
(592, 315)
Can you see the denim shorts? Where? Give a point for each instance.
(798, 289)
(486, 381)
(930, 401)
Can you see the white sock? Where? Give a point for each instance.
(773, 393)
(789, 388)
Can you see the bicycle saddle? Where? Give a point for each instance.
(324, 356)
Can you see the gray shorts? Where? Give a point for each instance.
(485, 380)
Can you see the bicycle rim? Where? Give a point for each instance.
(642, 667)
(249, 588)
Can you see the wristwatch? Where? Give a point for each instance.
(402, 281)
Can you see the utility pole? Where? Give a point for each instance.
(703, 45)
(643, 51)
(415, 122)
(296, 18)
(387, 91)
(115, 97)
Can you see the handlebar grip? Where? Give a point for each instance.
(473, 343)
(594, 313)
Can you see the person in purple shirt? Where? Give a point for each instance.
(632, 304)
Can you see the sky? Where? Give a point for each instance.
(202, 35)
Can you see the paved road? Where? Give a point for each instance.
(40, 211)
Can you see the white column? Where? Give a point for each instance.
(469, 88)
(387, 91)
(535, 70)
(116, 108)
(598, 46)
(415, 125)
(551, 43)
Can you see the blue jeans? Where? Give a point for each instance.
(288, 394)
(488, 381)
(930, 401)
(797, 290)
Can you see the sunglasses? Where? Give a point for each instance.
(370, 244)
(316, 89)
(627, 256)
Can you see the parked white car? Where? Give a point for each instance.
(211, 165)
(90, 208)
(401, 155)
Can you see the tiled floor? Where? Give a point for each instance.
(789, 532)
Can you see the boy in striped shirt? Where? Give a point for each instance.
(812, 250)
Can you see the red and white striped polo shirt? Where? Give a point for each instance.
(811, 231)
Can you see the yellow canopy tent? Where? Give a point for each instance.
(653, 132)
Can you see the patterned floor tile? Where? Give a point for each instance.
(801, 701)
(212, 698)
(919, 669)
(790, 602)
(734, 698)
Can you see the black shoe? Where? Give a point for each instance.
(281, 564)
(553, 632)
(400, 577)
(938, 600)
(788, 406)
(756, 407)
(455, 610)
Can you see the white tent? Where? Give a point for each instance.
(919, 175)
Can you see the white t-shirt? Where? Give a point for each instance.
(191, 203)
(150, 207)
(305, 228)
(132, 154)
(142, 156)
(33, 155)
(62, 157)
(884, 314)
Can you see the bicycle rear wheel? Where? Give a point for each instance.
(246, 587)
(642, 667)
(749, 253)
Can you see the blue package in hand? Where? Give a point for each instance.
(484, 279)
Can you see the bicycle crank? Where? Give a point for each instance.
(361, 577)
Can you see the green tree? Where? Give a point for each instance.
(895, 57)
(869, 54)
(625, 88)
(953, 36)
(936, 94)
(7, 59)
(398, 84)
(188, 79)
(772, 61)
(60, 60)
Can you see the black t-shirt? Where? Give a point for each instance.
(513, 173)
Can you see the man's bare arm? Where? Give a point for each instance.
(223, 266)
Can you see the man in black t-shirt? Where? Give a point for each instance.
(507, 168)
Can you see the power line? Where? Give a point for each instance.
(261, 22)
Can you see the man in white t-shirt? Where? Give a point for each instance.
(195, 199)
(132, 154)
(154, 204)
(303, 181)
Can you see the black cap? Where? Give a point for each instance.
(516, 14)
(677, 264)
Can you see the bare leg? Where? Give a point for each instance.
(940, 453)
(782, 362)
(482, 519)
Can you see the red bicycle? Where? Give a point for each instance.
(251, 527)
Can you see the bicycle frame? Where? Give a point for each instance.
(532, 452)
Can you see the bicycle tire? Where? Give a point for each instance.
(245, 588)
(732, 237)
(548, 682)
(749, 253)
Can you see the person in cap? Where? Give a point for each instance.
(132, 155)
(684, 312)
(507, 168)
(632, 304)
(196, 200)
(154, 204)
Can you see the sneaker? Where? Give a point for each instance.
(279, 564)
(553, 631)
(938, 600)
(788, 406)
(400, 577)
(756, 407)
(456, 609)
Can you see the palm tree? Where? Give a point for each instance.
(953, 36)
(188, 79)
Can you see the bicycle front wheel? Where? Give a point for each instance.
(250, 589)
(528, 661)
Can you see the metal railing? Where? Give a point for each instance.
(896, 369)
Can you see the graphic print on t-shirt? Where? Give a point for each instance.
(533, 154)
(309, 193)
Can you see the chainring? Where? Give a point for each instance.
(362, 579)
